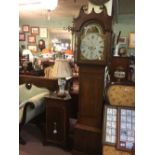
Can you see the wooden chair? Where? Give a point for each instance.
(120, 94)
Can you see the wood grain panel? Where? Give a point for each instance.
(91, 95)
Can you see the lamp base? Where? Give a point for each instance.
(60, 94)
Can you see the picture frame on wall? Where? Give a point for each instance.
(31, 39)
(32, 48)
(131, 40)
(21, 36)
(123, 40)
(34, 30)
(25, 28)
(43, 32)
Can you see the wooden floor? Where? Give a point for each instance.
(34, 145)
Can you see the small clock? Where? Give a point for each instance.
(41, 44)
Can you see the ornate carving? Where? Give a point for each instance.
(106, 21)
(98, 2)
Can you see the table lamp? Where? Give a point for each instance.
(61, 70)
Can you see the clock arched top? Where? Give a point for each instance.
(102, 18)
(98, 2)
(90, 28)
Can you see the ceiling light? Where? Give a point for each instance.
(37, 4)
(48, 14)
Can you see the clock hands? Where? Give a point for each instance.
(92, 46)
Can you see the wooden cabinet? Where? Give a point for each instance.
(56, 120)
(119, 69)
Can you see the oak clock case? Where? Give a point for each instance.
(93, 33)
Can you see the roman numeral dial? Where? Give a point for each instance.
(92, 43)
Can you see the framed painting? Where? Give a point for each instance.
(43, 32)
(25, 28)
(34, 30)
(126, 128)
(132, 40)
(21, 36)
(110, 125)
(32, 48)
(123, 40)
(31, 39)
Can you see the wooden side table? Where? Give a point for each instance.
(56, 120)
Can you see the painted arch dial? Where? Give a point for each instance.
(92, 43)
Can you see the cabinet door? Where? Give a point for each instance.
(56, 122)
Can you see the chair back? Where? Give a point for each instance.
(121, 94)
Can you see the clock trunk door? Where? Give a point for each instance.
(91, 95)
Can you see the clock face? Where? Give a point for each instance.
(92, 43)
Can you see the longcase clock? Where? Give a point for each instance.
(93, 32)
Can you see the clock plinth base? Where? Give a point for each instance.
(87, 140)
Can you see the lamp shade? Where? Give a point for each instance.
(61, 69)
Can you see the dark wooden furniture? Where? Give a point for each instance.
(132, 68)
(32, 72)
(119, 69)
(52, 85)
(87, 138)
(56, 120)
(74, 92)
(39, 81)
